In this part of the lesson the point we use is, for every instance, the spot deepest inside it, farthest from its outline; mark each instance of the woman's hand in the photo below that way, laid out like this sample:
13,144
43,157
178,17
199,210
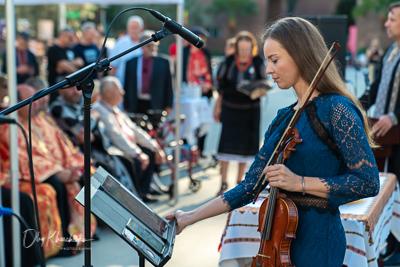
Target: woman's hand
280,176
217,109
217,114
181,219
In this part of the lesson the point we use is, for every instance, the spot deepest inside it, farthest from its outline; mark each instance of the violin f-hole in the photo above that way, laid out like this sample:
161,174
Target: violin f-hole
276,254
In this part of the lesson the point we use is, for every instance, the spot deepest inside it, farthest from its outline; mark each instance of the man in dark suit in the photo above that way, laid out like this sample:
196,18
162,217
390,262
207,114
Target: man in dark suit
385,95
148,81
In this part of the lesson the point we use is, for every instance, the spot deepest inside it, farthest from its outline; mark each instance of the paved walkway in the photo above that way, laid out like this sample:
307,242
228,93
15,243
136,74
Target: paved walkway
196,246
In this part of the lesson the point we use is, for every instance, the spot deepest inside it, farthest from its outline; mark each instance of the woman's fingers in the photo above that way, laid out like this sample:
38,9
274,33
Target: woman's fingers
170,216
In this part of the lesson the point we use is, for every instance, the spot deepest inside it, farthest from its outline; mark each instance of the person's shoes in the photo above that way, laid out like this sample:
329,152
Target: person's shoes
149,199
389,252
390,249
155,193
394,260
69,249
224,186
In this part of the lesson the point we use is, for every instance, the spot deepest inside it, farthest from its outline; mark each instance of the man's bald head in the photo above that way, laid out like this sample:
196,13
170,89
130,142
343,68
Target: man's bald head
25,91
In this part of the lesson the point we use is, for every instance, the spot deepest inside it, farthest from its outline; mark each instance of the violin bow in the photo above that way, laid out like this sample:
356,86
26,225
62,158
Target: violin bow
279,147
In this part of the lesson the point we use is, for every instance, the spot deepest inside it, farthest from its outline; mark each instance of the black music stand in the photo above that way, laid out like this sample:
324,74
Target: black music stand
150,235
83,80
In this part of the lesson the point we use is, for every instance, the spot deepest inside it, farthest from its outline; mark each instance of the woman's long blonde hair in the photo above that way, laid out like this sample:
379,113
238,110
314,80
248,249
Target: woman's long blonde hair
302,40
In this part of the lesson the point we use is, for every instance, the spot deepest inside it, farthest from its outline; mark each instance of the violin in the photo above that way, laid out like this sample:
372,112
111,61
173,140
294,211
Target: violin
278,215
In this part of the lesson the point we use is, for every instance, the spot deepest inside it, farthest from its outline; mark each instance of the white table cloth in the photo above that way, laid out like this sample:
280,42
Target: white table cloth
198,119
367,224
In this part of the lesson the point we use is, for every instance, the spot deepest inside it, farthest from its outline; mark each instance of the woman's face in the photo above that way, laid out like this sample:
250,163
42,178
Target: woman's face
281,65
244,48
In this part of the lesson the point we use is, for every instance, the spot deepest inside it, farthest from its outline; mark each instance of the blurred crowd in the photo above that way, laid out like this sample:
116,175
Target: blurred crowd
138,84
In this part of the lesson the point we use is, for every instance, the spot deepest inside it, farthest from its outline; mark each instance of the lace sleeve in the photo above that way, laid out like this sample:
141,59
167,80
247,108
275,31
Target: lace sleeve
359,176
242,194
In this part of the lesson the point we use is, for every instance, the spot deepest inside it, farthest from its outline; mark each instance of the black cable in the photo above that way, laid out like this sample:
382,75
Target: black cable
33,184
37,246
22,221
28,149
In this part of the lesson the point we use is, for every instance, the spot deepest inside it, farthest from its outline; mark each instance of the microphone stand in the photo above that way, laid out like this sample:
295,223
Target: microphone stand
83,80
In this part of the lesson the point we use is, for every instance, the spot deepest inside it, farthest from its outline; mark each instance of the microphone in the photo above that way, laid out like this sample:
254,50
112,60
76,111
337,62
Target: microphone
6,120
176,28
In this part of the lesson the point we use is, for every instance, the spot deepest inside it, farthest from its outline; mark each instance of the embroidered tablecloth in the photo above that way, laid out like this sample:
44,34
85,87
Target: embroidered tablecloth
367,224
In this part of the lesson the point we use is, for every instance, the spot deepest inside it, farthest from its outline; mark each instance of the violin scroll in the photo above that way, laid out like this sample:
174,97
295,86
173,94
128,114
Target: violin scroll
293,140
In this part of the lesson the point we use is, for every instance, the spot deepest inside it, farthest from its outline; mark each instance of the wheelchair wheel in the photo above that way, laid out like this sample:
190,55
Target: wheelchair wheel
195,185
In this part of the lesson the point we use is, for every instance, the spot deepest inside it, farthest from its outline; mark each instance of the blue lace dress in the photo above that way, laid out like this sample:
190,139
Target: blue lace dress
335,150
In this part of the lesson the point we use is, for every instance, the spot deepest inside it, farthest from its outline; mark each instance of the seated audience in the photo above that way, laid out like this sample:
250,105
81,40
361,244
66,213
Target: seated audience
67,110
127,136
55,162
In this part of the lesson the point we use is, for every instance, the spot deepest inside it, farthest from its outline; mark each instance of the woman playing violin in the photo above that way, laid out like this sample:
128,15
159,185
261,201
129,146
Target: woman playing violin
332,165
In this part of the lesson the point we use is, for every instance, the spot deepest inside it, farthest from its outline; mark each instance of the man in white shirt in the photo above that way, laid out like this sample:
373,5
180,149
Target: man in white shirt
134,29
126,135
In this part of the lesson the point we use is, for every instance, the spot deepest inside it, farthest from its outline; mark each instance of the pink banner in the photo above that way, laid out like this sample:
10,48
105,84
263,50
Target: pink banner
352,41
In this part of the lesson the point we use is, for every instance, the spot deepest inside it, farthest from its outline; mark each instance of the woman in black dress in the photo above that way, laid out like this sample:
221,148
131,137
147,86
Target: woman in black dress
239,112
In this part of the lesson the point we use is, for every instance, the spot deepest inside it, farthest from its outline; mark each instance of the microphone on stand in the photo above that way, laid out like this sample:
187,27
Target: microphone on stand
5,120
176,28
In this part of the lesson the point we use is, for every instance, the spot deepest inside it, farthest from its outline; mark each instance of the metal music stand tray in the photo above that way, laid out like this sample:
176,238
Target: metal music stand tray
150,235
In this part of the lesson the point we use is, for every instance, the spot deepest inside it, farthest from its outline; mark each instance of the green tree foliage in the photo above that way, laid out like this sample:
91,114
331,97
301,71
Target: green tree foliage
77,13
196,14
363,7
233,8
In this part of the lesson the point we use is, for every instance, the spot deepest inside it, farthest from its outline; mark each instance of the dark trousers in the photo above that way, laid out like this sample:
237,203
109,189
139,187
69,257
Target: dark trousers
145,175
200,143
62,202
143,106
28,256
130,165
394,162
394,167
